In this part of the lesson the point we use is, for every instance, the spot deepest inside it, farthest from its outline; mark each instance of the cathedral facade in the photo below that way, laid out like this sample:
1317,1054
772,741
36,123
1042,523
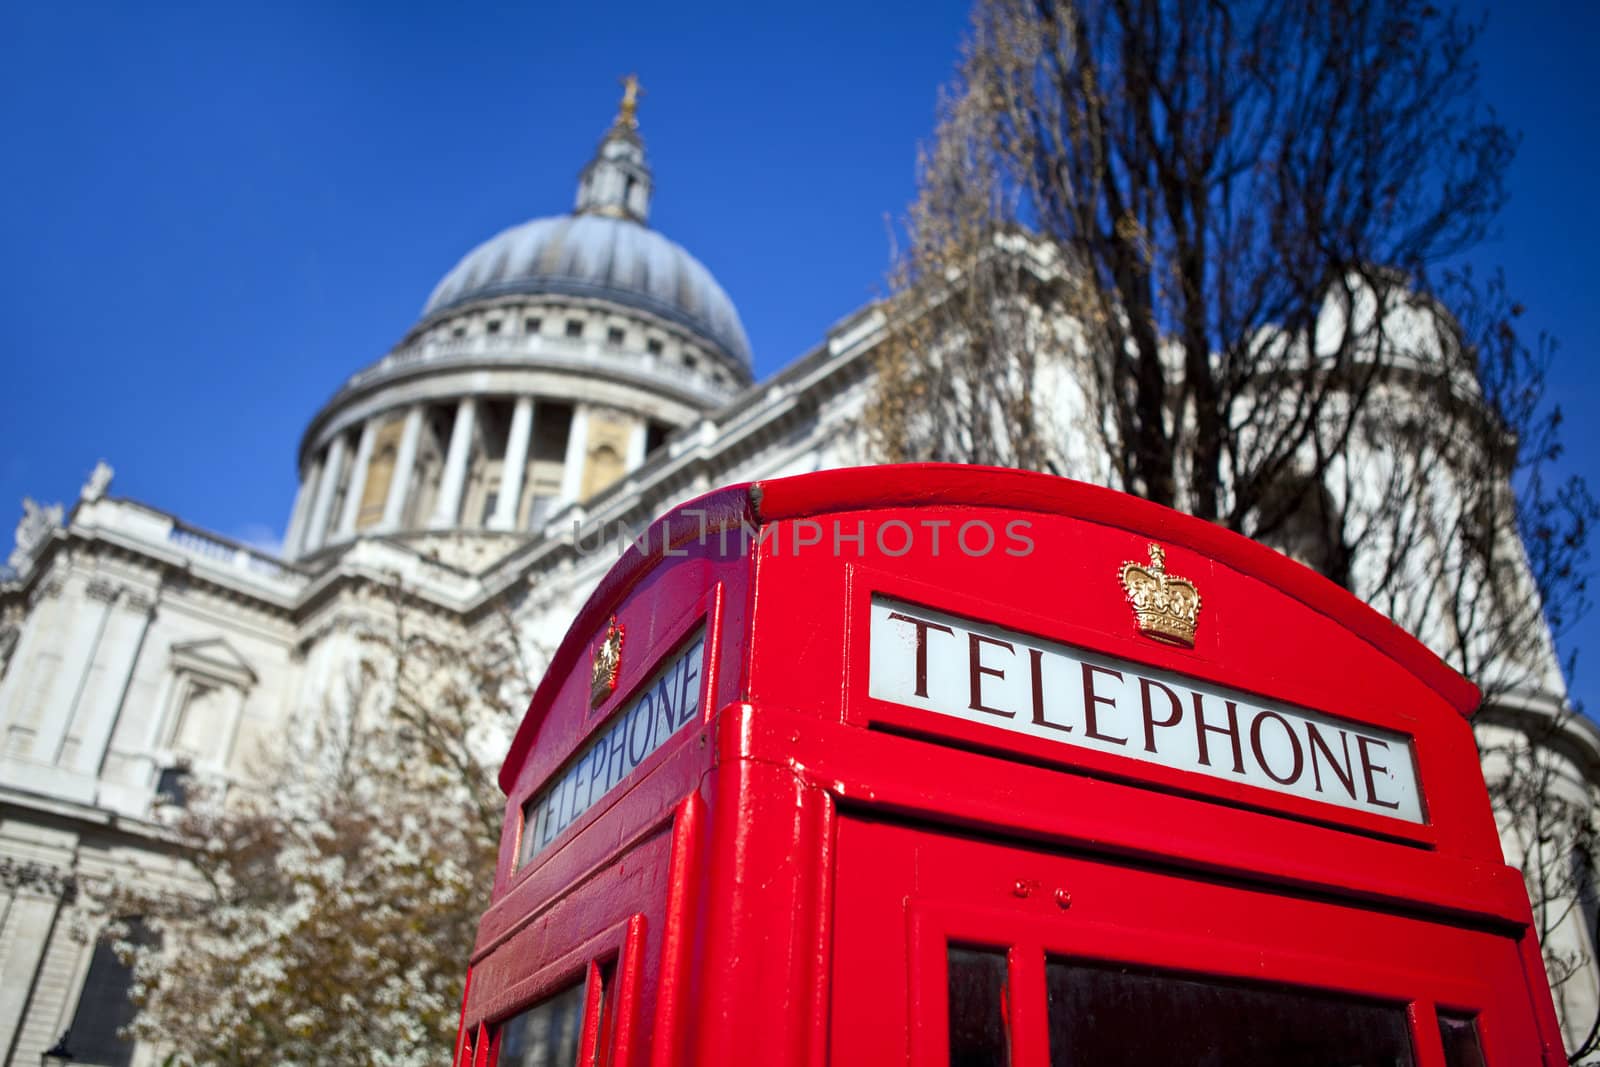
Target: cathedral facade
571,376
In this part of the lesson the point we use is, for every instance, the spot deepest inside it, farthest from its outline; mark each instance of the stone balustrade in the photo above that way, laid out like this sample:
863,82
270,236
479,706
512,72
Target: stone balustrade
580,355
227,553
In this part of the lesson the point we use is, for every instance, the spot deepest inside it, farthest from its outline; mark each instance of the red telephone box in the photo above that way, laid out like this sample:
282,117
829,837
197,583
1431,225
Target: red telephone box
950,765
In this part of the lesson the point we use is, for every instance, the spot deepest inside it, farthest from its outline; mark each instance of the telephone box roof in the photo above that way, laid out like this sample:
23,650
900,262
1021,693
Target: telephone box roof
756,504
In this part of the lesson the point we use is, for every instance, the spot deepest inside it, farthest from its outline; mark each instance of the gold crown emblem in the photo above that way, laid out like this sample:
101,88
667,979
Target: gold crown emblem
1165,606
607,664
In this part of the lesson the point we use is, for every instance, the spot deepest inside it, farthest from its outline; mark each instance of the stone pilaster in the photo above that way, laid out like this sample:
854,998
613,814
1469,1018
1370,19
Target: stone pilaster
95,717
23,658
79,646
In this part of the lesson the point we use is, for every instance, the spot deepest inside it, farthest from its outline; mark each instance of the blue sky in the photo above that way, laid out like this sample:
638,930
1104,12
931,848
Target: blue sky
213,213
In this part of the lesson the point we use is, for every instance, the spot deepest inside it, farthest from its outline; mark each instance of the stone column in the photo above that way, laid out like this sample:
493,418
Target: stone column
297,518
572,467
358,481
405,463
317,533
109,676
455,465
512,473
638,437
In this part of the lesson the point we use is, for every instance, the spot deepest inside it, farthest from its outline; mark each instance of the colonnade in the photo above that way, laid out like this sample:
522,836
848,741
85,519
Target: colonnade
329,505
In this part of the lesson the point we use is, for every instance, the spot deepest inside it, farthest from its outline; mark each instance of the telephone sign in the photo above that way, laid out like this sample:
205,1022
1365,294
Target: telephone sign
925,658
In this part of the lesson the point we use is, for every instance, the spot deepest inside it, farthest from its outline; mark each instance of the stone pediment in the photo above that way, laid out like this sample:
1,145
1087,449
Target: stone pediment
214,657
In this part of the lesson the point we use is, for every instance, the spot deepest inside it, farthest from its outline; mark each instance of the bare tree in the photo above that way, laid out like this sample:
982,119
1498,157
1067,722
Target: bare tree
959,375
1210,253
1543,787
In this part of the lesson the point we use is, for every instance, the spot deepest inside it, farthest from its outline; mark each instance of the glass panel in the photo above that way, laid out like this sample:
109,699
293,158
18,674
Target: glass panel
1459,1036
546,1035
978,1008
173,786
1108,1016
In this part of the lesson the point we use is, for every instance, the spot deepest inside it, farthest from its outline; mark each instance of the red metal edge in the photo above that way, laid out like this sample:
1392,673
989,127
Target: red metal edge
463,1035
950,484
719,509
822,827
593,995
629,980
1163,830
672,1005
493,1008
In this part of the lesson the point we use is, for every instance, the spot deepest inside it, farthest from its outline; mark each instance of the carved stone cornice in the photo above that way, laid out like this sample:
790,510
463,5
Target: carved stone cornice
30,876
45,590
103,590
139,600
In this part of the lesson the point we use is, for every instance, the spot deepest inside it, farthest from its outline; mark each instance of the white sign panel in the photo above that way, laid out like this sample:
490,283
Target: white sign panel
952,666
668,703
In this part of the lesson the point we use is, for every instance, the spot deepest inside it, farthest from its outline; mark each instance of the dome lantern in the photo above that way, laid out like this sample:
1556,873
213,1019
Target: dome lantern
616,183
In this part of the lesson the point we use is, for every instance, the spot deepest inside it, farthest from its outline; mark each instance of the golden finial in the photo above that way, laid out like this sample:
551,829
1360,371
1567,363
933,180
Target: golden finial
628,115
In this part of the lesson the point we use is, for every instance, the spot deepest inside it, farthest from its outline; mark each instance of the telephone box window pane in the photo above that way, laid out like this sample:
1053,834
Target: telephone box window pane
1459,1036
1106,1016
977,1008
546,1035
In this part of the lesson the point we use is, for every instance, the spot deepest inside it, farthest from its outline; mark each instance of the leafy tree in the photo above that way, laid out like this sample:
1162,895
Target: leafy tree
337,903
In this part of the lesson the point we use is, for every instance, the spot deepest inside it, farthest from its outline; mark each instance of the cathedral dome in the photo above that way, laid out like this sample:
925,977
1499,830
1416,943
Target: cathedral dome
603,256
550,362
